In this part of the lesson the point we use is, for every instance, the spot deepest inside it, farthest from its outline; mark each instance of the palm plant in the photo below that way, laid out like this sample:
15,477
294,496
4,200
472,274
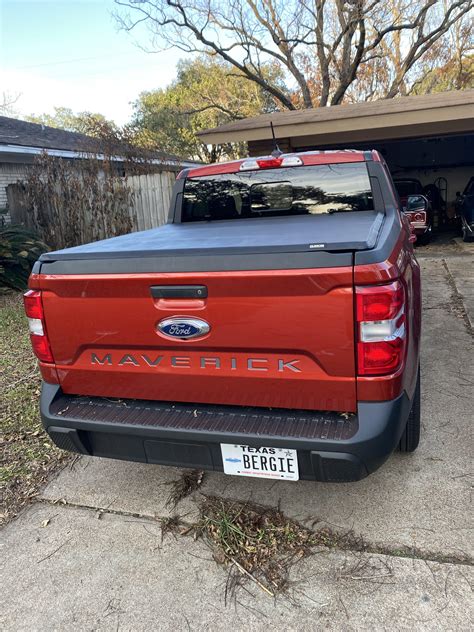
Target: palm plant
19,249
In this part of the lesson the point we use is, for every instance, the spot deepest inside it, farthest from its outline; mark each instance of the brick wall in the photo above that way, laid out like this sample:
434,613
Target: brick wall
9,174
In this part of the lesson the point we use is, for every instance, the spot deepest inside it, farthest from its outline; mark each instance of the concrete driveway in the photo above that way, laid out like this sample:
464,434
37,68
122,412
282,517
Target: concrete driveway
100,562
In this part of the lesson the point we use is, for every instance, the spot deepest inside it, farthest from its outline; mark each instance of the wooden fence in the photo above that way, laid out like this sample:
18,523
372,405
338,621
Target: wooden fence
149,207
151,199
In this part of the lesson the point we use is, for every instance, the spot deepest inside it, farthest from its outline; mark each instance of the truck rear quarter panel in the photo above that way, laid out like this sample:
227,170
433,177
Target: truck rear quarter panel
401,264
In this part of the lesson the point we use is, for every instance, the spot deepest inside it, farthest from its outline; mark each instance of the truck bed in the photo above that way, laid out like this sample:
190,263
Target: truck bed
187,247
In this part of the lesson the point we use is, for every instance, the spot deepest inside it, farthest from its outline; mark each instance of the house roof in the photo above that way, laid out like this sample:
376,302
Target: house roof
402,117
16,132
17,137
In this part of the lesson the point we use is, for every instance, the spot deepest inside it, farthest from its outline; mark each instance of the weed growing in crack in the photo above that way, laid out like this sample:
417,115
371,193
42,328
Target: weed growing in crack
257,544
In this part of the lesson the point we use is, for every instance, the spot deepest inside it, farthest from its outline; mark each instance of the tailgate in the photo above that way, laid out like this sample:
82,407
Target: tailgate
281,338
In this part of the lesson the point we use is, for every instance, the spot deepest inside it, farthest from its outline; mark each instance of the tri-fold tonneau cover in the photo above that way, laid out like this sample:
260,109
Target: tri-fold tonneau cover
244,244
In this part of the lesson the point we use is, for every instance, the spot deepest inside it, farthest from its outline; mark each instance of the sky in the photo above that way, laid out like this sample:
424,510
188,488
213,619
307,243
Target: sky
70,53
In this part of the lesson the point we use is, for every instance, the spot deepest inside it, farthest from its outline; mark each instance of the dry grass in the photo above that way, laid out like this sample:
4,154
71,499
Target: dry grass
188,482
258,544
27,457
365,568
171,524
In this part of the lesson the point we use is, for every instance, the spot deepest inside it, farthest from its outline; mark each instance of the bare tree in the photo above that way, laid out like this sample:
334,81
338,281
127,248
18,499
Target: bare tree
7,101
322,46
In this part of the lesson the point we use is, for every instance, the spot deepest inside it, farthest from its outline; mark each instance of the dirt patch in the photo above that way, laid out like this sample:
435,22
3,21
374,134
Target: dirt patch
27,457
442,244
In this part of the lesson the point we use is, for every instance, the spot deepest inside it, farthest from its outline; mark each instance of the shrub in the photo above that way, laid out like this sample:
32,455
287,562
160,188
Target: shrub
19,249
74,203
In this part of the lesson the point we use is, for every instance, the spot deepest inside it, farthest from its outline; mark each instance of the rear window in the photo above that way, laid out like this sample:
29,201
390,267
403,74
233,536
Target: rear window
312,190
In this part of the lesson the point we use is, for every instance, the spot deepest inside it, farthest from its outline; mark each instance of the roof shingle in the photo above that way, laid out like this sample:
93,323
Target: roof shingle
25,134
16,132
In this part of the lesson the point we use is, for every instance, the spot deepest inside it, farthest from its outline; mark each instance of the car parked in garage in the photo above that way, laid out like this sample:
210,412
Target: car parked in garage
416,206
465,210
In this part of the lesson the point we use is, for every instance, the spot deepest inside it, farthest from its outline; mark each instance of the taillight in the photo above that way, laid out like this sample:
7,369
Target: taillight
418,217
380,311
39,339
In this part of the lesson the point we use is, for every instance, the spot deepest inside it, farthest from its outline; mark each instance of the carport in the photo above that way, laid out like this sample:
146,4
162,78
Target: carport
428,138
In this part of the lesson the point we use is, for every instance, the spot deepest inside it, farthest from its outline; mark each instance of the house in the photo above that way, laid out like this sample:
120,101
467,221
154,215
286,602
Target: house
427,139
21,141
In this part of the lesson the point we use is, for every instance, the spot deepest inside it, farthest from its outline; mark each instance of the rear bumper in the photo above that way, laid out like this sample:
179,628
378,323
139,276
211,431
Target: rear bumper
330,447
421,230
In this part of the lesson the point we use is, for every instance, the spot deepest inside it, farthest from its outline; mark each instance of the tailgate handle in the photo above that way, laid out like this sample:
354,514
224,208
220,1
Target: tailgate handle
178,291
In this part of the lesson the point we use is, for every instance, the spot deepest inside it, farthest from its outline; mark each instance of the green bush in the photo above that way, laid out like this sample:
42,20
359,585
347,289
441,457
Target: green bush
19,249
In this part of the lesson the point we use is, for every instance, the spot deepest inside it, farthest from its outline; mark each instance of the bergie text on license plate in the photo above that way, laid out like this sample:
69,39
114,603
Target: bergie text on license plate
262,462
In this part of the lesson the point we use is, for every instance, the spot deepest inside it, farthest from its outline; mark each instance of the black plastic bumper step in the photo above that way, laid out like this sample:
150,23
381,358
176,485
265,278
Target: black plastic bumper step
263,422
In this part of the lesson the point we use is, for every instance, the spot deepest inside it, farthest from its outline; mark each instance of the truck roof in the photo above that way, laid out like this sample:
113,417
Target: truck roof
306,158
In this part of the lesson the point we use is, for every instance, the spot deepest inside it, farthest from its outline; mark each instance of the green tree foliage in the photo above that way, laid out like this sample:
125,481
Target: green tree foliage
65,118
107,138
206,93
454,75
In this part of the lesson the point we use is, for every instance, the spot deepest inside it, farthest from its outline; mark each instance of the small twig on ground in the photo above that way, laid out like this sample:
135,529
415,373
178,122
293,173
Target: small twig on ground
250,576
55,551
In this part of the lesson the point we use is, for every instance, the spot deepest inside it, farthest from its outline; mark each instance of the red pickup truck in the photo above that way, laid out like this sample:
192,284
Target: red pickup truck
271,328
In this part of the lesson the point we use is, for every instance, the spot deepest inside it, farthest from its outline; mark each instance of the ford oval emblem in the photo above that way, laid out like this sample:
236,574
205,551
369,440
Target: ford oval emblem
183,328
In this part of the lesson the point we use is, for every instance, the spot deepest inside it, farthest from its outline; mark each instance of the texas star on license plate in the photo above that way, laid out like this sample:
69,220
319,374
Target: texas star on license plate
244,460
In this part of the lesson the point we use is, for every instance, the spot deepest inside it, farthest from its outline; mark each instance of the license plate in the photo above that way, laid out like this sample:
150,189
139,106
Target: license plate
275,463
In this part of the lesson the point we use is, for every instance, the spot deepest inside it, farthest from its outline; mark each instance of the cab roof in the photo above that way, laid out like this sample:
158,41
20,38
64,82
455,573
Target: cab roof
306,158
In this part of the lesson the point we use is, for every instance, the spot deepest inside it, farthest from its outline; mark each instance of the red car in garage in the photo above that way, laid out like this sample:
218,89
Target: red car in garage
416,206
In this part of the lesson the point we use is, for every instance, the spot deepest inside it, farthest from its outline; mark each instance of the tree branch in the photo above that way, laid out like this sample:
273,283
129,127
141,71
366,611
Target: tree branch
323,48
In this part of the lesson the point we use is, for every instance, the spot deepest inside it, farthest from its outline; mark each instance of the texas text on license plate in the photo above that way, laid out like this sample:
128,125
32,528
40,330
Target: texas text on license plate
244,460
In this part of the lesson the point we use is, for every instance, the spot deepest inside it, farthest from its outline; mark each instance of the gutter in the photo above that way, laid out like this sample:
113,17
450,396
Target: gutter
78,155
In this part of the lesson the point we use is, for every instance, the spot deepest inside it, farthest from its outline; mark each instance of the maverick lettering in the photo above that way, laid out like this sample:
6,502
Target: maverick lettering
201,362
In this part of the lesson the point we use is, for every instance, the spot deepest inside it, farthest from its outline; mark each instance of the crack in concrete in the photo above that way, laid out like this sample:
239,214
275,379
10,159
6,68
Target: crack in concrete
99,510
401,551
457,299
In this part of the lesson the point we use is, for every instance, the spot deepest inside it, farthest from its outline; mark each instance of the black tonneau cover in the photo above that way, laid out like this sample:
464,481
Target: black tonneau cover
256,243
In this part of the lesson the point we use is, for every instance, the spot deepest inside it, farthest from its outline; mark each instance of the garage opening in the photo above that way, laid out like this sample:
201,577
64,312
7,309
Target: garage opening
439,167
